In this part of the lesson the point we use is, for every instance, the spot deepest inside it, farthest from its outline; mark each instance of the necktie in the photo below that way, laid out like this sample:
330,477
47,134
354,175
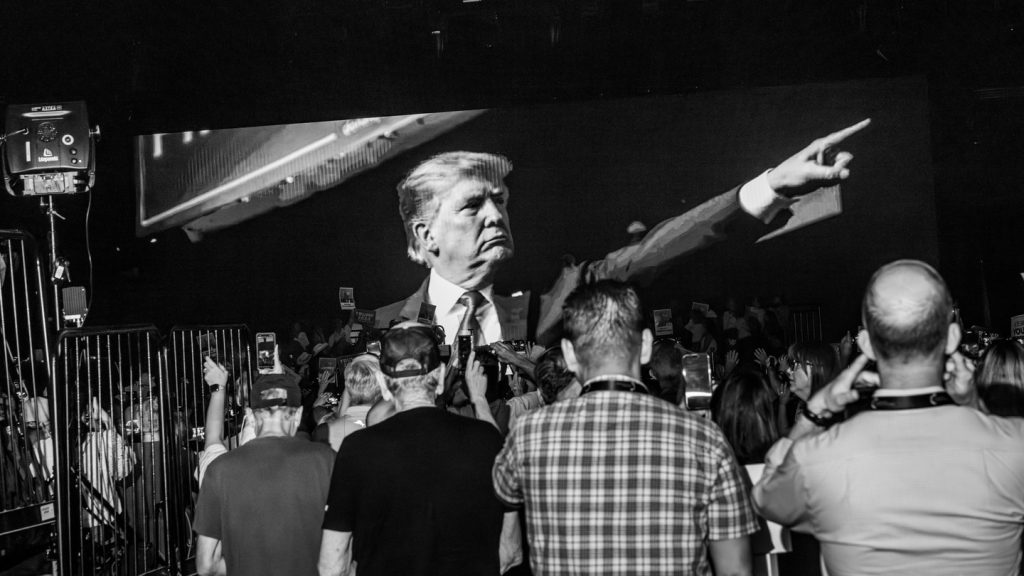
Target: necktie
472,300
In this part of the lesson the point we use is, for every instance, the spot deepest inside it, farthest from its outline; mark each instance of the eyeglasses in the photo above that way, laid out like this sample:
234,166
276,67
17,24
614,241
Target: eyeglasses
792,363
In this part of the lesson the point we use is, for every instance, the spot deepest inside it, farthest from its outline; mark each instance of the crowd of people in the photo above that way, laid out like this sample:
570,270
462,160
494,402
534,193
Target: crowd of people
891,453
440,442
884,454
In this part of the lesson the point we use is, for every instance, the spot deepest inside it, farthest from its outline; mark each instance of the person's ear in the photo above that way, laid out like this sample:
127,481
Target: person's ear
646,346
296,420
424,236
953,336
570,356
864,341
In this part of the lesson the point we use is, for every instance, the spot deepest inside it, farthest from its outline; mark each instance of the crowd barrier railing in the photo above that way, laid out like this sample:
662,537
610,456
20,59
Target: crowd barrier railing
806,322
113,426
27,455
230,345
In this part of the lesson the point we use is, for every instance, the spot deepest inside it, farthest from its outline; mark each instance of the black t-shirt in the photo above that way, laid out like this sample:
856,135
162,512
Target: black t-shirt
264,501
416,492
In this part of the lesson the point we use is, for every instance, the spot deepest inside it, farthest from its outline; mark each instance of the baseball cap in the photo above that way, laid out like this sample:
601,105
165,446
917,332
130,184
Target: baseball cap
409,351
275,390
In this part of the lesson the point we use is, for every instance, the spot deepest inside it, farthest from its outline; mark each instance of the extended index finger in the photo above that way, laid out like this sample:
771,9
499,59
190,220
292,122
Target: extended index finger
837,137
848,376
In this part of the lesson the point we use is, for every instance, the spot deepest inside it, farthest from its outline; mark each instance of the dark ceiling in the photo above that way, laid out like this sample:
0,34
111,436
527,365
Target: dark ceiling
148,67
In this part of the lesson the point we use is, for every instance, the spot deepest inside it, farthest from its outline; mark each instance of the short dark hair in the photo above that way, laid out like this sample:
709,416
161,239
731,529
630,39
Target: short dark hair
744,408
668,352
553,374
907,340
603,318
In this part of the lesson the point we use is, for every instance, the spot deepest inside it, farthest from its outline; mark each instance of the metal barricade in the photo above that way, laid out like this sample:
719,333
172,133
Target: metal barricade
112,445
188,346
806,323
27,452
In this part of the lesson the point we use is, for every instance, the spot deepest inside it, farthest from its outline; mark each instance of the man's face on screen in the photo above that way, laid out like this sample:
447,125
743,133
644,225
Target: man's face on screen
471,230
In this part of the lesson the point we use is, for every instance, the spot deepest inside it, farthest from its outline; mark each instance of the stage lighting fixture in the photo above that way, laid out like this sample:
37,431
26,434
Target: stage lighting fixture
48,149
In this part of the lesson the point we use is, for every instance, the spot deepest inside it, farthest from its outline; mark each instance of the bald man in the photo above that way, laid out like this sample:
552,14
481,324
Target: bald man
917,483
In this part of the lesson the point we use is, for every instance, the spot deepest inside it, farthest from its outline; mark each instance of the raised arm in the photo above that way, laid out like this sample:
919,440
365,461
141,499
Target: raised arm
476,384
216,376
779,496
820,163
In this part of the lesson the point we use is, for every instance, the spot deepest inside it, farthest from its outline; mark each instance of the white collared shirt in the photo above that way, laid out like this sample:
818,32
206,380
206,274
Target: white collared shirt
759,200
449,311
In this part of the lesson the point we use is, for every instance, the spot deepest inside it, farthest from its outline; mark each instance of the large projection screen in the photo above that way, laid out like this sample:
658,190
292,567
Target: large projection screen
209,179
582,172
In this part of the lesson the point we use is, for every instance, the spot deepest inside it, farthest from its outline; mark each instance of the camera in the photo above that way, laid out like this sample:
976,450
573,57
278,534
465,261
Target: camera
519,346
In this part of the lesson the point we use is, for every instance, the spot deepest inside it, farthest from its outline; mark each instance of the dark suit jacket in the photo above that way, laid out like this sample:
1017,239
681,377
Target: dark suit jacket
640,262
409,309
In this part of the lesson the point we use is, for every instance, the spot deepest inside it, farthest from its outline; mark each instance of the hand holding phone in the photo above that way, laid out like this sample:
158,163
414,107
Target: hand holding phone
214,373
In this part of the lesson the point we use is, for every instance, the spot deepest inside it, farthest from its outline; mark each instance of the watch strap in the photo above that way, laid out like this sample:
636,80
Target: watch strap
823,420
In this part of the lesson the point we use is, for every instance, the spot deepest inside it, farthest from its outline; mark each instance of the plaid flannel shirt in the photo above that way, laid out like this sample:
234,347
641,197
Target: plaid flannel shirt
622,483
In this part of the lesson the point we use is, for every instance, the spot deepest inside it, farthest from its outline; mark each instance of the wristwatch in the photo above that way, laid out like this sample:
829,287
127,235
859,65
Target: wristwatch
214,388
823,420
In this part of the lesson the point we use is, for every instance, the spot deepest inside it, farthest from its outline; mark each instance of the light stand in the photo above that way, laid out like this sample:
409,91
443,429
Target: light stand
48,151
58,266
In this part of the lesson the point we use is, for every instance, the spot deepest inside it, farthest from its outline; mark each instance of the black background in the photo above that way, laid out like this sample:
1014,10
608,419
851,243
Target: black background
166,68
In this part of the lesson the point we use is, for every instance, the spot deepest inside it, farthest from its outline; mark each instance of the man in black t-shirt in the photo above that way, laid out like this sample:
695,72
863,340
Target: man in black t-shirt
260,505
413,495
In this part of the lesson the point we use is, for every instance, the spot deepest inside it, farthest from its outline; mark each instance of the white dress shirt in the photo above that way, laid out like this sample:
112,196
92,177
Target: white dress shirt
759,200
449,311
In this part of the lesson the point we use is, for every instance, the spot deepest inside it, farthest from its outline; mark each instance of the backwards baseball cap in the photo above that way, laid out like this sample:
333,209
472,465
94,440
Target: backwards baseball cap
275,390
409,349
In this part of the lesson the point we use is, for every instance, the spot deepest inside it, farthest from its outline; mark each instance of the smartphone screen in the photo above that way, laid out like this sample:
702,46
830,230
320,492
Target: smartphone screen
697,375
265,349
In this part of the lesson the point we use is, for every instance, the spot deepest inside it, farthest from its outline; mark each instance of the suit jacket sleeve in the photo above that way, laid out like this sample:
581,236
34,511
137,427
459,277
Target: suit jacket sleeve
642,262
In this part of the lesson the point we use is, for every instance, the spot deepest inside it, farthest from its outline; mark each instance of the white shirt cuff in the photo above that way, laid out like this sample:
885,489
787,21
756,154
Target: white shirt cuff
759,200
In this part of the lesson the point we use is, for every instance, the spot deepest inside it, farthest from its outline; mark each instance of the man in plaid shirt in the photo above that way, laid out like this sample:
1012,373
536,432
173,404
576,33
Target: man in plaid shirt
618,481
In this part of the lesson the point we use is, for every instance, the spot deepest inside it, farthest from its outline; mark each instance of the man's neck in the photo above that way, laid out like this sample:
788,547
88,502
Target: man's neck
467,278
898,376
612,368
569,392
271,430
411,402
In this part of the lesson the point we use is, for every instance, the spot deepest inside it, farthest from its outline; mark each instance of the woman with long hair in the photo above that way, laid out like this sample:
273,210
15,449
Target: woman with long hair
744,408
809,366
